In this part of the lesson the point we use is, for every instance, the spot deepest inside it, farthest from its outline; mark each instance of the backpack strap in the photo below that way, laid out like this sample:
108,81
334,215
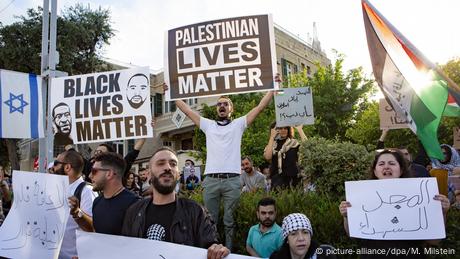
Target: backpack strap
79,190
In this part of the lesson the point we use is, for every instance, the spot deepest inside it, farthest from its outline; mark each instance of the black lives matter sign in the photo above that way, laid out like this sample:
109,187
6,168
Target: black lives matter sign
220,57
101,107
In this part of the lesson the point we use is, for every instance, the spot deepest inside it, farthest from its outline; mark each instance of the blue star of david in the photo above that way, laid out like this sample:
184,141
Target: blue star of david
11,103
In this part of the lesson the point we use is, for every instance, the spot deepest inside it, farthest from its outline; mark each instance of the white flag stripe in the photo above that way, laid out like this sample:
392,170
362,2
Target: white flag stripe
17,104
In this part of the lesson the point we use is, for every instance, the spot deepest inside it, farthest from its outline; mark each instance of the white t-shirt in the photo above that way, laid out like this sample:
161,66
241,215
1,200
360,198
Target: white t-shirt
223,144
69,243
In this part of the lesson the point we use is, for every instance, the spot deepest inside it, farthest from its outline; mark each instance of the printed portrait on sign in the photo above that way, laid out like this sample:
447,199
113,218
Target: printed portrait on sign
137,90
62,124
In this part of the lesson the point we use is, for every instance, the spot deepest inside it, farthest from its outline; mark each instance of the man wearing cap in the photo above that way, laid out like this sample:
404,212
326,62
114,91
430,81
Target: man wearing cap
265,237
297,233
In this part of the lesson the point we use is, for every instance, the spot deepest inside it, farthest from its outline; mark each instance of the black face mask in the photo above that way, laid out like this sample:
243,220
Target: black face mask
223,121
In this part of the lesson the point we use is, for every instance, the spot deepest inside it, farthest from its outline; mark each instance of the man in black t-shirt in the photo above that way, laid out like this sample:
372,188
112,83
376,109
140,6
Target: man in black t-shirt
165,217
109,208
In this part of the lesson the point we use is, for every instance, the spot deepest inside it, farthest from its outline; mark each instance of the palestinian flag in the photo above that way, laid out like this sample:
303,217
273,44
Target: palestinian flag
409,81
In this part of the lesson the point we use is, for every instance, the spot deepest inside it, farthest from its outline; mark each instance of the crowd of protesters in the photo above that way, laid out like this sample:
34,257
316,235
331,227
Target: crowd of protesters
107,196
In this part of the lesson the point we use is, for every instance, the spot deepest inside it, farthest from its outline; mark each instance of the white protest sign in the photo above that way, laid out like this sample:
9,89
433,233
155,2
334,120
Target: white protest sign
294,106
178,118
95,246
395,209
35,225
99,107
389,118
226,56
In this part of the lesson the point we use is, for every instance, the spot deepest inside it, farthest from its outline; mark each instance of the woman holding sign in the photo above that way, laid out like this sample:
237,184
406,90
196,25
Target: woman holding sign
282,150
390,164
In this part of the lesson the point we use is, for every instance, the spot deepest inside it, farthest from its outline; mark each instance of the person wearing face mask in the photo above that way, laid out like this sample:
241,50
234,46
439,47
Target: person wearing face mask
223,157
297,233
390,164
282,151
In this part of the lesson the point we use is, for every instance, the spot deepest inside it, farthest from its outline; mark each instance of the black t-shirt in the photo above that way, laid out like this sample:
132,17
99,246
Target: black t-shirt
108,214
289,160
158,220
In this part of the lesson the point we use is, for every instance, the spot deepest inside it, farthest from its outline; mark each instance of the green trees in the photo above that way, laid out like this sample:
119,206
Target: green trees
338,97
81,35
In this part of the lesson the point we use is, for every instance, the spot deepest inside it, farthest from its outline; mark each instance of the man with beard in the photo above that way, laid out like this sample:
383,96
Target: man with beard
251,179
223,156
166,217
265,237
137,90
62,124
70,163
109,208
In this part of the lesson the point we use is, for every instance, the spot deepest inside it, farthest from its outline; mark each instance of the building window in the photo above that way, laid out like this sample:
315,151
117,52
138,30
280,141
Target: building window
118,146
187,144
308,70
131,144
288,68
170,106
167,143
157,105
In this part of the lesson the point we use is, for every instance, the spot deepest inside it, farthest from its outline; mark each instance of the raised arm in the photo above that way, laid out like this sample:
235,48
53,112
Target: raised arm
193,115
302,135
251,116
268,152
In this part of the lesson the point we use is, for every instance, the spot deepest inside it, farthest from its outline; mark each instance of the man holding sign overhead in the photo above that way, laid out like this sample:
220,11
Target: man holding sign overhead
212,58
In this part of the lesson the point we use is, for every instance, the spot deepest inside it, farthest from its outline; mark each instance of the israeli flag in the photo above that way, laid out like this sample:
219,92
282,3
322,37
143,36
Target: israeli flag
21,113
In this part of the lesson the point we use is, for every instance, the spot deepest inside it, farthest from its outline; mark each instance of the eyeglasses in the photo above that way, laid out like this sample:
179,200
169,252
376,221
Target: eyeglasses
95,170
57,162
220,104
96,152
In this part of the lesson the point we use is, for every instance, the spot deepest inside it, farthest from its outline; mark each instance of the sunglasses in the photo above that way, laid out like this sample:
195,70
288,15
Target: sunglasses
220,104
57,162
95,170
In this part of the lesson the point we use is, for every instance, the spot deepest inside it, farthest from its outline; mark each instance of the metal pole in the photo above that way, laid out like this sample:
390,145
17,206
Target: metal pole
52,67
42,142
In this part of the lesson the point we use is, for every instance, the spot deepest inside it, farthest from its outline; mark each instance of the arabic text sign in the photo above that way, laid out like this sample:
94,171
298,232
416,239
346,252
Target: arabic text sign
94,246
395,209
389,118
294,107
456,133
101,106
225,56
36,222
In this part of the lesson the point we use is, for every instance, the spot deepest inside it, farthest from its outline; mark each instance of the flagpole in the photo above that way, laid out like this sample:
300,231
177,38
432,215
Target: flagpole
48,66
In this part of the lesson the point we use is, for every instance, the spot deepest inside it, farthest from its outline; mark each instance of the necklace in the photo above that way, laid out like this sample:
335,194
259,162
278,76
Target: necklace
118,192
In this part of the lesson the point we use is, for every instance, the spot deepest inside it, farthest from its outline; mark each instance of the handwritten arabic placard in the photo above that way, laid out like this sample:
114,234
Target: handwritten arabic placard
395,209
389,118
35,224
94,246
294,106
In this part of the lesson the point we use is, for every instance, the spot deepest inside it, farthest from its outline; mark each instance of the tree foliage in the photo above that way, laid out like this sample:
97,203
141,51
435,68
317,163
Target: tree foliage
338,97
81,36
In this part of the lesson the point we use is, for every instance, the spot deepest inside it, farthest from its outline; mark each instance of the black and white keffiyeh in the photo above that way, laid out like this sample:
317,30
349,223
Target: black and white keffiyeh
296,221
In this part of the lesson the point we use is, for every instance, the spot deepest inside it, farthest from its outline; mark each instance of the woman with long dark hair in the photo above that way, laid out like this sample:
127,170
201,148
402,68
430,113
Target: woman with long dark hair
282,151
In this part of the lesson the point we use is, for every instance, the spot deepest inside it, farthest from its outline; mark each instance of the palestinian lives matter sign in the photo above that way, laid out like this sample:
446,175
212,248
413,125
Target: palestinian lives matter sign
101,106
294,106
389,118
218,57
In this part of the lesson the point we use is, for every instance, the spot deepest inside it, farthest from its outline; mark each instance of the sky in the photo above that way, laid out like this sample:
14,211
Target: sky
431,25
